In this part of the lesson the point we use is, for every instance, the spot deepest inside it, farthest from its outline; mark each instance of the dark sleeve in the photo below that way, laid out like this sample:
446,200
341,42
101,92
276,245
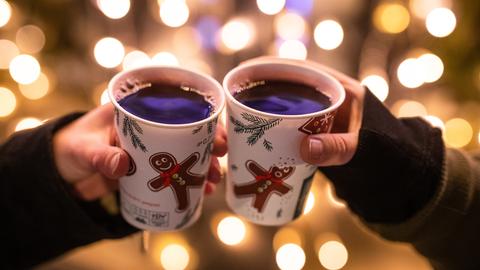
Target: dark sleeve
41,219
396,168
406,186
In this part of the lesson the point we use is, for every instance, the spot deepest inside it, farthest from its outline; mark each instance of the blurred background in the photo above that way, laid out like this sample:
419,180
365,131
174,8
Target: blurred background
420,57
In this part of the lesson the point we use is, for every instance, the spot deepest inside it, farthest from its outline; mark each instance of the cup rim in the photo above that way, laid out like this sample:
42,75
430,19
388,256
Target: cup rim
301,65
204,76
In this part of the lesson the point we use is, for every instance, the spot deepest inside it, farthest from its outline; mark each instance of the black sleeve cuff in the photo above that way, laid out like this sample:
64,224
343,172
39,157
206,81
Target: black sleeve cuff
42,219
396,169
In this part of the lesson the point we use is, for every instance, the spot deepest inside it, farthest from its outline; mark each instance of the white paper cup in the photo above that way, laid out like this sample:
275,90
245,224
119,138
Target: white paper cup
163,189
267,181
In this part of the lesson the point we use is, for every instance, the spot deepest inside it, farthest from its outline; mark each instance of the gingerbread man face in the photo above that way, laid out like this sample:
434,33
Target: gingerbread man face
281,173
163,161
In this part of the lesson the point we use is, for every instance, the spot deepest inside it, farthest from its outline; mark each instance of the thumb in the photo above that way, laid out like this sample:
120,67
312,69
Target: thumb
108,160
329,149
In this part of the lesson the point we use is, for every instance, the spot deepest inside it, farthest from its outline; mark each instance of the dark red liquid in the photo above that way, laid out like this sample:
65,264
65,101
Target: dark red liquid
283,97
167,104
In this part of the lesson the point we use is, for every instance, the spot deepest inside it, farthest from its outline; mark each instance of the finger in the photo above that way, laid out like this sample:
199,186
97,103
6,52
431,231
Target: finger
215,172
329,149
110,161
220,142
95,187
209,188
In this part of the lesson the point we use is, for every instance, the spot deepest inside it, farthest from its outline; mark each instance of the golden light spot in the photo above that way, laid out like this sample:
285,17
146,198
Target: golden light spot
290,257
37,89
174,257
24,69
391,18
333,255
328,34
27,123
231,230
109,52
8,102
441,22
30,38
458,132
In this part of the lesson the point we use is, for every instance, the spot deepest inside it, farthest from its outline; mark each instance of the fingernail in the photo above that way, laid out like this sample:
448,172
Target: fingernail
315,149
114,162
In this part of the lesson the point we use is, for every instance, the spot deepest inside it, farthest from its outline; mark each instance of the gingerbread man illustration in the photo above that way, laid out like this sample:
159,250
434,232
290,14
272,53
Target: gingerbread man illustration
175,175
265,183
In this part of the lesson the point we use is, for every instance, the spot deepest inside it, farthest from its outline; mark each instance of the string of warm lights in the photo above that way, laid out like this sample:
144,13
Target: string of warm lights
296,34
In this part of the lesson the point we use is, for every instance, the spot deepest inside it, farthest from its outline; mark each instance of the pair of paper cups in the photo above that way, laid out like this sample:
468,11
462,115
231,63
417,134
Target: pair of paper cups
267,181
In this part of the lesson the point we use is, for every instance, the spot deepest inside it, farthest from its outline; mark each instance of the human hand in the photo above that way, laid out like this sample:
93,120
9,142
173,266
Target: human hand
86,154
339,146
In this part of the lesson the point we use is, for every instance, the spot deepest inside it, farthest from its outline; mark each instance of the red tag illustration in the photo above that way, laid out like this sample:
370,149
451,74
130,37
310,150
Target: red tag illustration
175,175
265,183
319,124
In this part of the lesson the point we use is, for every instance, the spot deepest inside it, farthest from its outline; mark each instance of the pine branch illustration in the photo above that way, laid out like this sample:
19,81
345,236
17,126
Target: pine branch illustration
210,127
252,118
136,126
125,126
252,139
272,123
129,127
196,130
207,152
268,145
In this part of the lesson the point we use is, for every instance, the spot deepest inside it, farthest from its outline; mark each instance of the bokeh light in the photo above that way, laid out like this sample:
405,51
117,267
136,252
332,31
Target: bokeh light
412,109
5,12
207,27
328,34
293,49
231,230
28,122
165,58
9,51
109,52
8,102
435,121
237,34
24,69
174,13
333,255
377,85
458,132
114,9
30,38
310,203
290,257
37,89
104,97
286,235
290,26
391,18
421,8
431,66
174,257
135,59
270,7
441,22
302,7
410,73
